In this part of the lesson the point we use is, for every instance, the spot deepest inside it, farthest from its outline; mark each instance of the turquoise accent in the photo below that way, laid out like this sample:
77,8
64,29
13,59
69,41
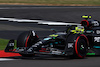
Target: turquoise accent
90,30
96,46
51,44
63,52
59,41
47,38
56,42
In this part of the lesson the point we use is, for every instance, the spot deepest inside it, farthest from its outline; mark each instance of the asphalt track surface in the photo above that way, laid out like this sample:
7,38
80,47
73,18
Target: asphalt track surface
11,30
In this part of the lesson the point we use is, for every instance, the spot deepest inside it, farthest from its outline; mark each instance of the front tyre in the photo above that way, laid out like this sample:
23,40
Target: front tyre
27,39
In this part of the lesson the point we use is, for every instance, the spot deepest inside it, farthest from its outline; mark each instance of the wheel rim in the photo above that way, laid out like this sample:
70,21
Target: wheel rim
81,47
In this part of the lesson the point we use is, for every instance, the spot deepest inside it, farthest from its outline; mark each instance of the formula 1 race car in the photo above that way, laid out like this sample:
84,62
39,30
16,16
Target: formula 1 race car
78,40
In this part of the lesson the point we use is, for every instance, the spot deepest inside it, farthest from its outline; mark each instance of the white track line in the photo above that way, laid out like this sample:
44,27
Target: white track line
38,21
6,59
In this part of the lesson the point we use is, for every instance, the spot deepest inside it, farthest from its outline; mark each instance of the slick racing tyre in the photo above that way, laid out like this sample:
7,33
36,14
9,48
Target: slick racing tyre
80,47
26,39
87,25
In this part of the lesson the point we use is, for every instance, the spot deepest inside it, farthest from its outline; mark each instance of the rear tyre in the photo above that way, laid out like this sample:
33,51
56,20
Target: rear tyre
27,39
80,47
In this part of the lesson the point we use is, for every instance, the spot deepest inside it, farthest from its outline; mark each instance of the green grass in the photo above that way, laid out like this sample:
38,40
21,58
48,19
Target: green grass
3,43
53,2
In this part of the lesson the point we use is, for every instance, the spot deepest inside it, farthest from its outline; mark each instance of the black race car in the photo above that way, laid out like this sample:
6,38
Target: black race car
78,40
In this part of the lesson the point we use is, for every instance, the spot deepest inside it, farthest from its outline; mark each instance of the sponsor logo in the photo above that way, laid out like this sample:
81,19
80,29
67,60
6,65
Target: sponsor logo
70,45
95,23
96,39
11,44
98,31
